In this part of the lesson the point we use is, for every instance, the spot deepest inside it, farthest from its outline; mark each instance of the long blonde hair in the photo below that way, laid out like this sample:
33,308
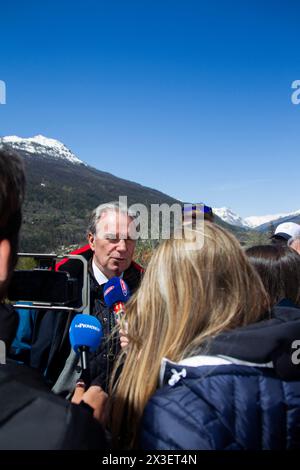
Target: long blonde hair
186,297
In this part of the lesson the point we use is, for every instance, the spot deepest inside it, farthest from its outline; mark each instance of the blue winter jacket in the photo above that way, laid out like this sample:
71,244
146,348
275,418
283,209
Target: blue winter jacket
244,395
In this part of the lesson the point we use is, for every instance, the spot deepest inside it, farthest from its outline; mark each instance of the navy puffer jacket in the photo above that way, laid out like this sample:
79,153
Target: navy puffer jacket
245,395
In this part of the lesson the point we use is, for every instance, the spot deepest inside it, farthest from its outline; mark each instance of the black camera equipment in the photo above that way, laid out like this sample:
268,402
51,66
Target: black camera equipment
45,288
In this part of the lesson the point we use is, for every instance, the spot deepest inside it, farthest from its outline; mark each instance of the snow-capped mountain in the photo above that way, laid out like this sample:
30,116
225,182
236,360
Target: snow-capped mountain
40,151
256,221
40,145
61,191
230,217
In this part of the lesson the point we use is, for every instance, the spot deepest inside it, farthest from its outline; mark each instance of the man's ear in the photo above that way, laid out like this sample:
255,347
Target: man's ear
91,240
5,251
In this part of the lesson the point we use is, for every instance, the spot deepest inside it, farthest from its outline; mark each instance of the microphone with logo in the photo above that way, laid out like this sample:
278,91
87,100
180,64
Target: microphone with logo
85,336
116,294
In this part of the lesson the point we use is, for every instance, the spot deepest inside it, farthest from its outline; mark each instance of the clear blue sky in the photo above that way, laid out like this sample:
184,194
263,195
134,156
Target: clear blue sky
189,97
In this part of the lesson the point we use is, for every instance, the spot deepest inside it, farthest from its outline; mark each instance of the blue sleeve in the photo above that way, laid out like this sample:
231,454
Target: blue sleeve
20,349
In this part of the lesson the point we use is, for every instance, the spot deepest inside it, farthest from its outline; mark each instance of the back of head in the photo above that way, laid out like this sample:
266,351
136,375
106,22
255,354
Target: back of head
200,292
12,186
284,232
277,240
187,296
279,269
191,211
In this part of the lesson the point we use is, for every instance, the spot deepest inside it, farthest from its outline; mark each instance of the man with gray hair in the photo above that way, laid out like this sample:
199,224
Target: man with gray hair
112,241
110,249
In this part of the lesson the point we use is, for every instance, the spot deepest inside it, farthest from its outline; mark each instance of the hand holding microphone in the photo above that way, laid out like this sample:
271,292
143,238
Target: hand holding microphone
85,336
96,398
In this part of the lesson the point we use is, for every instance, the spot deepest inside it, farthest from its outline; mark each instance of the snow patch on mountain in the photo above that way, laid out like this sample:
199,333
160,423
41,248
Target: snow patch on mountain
229,216
233,218
40,144
256,221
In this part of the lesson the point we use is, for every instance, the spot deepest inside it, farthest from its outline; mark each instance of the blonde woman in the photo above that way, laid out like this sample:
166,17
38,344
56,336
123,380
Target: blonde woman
205,365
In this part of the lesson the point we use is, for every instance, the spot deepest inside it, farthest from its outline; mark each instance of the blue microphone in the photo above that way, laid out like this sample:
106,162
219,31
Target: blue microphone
85,335
116,293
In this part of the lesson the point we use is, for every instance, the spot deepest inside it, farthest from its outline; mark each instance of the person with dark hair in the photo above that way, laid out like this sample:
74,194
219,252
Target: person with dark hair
279,270
284,232
31,417
12,183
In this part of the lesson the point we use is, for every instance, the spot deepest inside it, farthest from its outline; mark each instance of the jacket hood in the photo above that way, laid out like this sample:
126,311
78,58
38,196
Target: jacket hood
270,344
275,341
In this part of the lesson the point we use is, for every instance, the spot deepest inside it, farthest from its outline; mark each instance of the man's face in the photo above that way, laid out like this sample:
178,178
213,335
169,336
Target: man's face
112,246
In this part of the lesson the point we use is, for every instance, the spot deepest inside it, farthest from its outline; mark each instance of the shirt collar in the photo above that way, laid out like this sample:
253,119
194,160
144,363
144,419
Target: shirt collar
99,276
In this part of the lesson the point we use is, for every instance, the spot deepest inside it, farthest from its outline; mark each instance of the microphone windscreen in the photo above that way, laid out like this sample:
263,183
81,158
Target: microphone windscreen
85,330
115,290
